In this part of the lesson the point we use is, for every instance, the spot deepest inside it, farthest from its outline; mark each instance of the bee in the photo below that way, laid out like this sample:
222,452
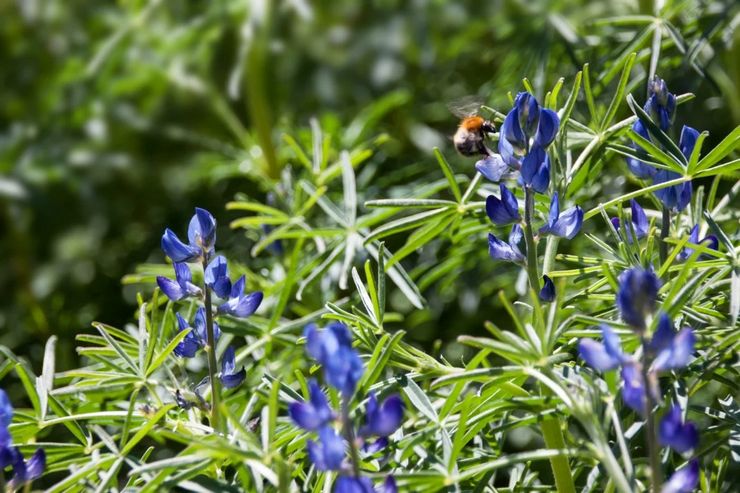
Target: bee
471,134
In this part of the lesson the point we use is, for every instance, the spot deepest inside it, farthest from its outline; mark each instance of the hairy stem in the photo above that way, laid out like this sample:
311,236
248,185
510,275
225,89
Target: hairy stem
656,476
212,364
534,277
349,435
664,231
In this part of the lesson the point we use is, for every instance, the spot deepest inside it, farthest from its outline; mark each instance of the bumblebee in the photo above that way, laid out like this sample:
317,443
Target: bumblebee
469,140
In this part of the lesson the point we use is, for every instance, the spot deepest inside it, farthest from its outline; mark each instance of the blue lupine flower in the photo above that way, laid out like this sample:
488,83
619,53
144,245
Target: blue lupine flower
231,378
565,225
492,167
678,196
675,433
201,239
673,350
684,480
332,347
711,241
328,453
504,210
547,293
638,292
606,356
661,103
499,250
389,485
384,419
535,171
6,410
375,446
240,304
633,388
314,413
216,277
639,222
525,126
351,484
27,471
181,287
196,338
638,168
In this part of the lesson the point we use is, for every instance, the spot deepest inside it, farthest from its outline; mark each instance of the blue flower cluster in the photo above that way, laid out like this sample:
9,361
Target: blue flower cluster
234,300
332,348
665,350
526,133
24,471
661,106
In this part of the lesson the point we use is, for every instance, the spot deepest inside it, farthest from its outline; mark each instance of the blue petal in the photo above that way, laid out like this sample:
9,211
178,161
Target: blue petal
341,333
170,288
202,229
217,277
684,480
675,197
384,419
352,484
528,110
35,465
177,250
554,210
314,341
6,410
328,453
375,446
596,356
547,293
531,164
678,354
508,156
638,292
313,414
638,168
569,223
492,167
639,219
687,140
499,250
228,360
512,132
664,334
20,473
541,179
232,380
389,485
547,128
504,210
674,433
343,370
633,390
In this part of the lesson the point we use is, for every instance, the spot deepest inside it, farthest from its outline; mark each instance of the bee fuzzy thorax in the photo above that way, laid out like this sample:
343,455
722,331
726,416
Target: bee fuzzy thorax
470,137
472,123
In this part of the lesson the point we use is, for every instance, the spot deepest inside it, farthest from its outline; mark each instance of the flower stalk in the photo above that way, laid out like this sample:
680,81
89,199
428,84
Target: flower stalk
212,364
349,435
664,231
534,278
651,437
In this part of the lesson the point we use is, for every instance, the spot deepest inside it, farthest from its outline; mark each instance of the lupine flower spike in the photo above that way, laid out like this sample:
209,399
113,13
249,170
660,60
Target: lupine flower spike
637,295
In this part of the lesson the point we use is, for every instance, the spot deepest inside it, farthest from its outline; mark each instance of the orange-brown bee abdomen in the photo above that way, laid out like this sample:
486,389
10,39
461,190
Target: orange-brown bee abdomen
472,123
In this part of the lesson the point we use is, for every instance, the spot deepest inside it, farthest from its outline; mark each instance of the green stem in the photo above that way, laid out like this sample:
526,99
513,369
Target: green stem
665,228
656,474
534,277
550,427
349,435
212,364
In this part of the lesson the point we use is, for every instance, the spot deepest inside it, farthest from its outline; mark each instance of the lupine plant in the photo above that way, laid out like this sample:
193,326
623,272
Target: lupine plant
557,314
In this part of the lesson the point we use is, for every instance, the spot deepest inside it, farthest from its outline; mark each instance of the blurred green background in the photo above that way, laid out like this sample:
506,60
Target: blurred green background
117,118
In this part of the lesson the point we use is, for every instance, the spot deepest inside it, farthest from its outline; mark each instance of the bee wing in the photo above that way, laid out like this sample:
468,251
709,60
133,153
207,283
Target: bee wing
465,106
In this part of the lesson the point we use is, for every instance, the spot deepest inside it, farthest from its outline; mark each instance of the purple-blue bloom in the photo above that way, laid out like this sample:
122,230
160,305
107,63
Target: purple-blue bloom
197,337
606,356
504,210
638,292
182,286
23,471
384,419
565,225
332,347
492,167
675,433
673,351
201,239
314,413
683,480
547,293
535,171
633,389
499,250
351,484
216,277
328,453
527,124
677,197
710,240
661,103
239,304
639,222
638,168
231,378
6,410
